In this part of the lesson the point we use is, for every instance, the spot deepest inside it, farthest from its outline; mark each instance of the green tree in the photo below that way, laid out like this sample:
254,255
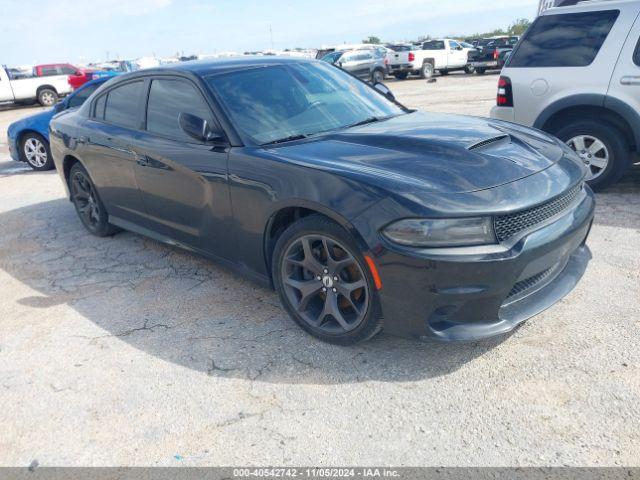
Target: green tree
371,39
519,26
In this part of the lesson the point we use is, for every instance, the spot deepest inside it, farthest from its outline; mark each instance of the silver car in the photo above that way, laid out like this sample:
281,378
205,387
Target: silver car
368,65
576,74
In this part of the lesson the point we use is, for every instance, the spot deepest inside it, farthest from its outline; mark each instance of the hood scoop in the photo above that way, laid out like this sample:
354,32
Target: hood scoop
489,141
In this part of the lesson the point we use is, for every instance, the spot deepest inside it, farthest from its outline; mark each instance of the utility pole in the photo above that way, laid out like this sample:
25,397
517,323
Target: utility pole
271,34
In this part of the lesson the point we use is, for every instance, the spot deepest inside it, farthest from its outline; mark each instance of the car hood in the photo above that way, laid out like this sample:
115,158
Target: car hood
429,152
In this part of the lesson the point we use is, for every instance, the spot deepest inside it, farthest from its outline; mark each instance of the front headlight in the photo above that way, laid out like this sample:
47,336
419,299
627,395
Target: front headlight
441,232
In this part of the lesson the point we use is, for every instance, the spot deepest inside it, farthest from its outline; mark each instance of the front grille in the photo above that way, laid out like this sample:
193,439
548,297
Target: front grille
528,283
506,226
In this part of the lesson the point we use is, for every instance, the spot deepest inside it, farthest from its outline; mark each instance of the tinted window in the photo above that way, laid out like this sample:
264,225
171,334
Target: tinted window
99,108
433,45
48,71
332,57
636,54
169,98
122,105
569,40
453,45
78,99
400,48
67,70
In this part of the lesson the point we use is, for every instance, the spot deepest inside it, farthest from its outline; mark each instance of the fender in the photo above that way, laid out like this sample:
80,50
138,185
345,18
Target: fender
311,205
630,116
581,100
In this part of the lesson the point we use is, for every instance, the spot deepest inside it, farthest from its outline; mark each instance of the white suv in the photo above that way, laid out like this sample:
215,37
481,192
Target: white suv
576,74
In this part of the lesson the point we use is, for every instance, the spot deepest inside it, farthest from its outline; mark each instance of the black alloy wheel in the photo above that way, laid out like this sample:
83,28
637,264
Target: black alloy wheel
87,203
324,284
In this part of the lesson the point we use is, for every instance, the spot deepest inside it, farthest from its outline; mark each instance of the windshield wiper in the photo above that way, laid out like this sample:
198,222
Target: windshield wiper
290,138
366,121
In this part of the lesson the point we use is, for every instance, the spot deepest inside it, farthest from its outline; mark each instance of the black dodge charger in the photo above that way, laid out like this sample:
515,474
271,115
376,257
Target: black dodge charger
362,214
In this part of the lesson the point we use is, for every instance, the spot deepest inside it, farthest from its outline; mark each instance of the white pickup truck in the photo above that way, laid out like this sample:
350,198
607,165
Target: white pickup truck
443,55
46,90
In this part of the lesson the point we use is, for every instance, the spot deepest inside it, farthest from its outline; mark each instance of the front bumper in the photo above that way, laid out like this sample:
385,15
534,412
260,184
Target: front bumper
14,151
485,292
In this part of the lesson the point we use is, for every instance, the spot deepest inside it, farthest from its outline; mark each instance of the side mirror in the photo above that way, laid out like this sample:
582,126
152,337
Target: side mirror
459,47
198,128
383,89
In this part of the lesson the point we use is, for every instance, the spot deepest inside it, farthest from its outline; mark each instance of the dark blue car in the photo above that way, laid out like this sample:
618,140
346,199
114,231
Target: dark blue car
29,136
363,215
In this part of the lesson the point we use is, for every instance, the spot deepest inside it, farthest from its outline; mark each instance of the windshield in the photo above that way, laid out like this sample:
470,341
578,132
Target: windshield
281,102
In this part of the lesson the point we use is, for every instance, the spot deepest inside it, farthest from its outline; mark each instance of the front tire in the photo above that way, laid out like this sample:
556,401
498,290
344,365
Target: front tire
35,152
47,97
469,70
401,75
481,70
602,147
324,282
88,205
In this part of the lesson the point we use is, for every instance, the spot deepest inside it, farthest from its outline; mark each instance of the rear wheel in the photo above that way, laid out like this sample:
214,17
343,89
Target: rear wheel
427,70
324,283
47,97
35,151
401,75
88,205
602,148
469,69
377,76
481,70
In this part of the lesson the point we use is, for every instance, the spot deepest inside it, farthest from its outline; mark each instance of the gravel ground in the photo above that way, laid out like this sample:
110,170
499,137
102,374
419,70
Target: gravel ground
123,351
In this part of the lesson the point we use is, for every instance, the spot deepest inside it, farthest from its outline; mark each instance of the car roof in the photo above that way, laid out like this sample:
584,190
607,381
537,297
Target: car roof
580,5
54,65
203,68
207,67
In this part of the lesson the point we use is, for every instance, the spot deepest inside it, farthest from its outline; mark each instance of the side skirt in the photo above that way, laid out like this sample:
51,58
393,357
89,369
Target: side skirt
235,267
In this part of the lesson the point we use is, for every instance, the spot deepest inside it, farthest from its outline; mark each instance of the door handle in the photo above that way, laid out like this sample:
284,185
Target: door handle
630,80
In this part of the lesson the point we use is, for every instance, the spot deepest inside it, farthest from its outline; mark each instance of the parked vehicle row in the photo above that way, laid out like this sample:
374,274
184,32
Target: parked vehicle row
491,54
45,89
443,55
28,138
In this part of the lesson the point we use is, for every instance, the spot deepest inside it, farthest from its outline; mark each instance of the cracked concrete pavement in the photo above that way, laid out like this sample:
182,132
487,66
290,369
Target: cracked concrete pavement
123,351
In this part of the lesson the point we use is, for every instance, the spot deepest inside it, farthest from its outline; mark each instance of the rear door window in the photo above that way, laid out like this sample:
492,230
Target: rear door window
433,45
565,40
123,105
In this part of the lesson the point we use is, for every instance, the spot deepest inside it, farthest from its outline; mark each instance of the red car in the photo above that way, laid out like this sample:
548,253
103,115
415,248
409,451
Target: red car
80,77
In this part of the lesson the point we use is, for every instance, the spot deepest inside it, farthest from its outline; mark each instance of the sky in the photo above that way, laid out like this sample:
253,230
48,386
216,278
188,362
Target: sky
80,31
